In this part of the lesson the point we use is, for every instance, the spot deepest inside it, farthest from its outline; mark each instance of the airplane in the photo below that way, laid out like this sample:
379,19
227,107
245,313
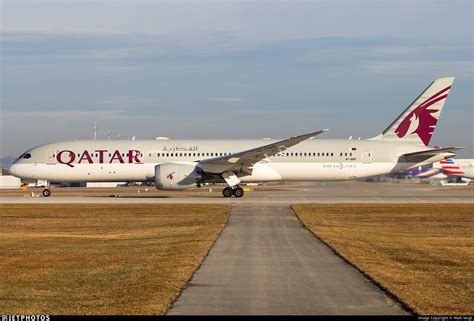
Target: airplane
455,170
183,164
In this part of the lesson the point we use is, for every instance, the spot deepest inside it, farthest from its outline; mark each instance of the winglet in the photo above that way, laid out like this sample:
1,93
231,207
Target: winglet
319,132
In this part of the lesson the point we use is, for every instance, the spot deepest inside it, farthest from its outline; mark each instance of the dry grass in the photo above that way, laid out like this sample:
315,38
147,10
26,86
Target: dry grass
421,253
101,259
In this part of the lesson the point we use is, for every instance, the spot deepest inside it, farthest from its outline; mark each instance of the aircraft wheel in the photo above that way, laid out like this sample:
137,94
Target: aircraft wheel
46,192
238,191
227,192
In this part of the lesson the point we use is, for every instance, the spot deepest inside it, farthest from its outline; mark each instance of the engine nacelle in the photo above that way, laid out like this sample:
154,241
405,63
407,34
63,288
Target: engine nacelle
176,176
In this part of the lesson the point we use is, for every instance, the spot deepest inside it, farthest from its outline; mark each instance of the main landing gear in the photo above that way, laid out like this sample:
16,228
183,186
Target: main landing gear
233,189
46,192
237,191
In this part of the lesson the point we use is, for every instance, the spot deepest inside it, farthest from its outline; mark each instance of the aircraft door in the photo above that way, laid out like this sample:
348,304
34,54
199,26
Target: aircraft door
50,157
367,156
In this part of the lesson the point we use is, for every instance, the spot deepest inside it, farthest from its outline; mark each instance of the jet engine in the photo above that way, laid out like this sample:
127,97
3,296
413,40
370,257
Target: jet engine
177,176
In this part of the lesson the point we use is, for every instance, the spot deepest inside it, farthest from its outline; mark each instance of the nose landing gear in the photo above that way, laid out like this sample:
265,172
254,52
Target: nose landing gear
46,192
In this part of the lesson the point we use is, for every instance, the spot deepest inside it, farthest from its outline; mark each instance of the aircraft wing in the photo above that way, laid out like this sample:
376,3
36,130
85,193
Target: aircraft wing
415,156
243,161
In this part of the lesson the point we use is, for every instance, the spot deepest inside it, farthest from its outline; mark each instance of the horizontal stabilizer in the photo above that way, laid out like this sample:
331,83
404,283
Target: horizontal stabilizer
432,152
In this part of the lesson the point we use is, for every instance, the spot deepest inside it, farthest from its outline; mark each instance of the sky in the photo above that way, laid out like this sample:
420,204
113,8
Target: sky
228,69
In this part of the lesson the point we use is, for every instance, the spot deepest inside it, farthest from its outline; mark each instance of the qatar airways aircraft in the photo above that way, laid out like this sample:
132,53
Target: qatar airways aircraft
183,164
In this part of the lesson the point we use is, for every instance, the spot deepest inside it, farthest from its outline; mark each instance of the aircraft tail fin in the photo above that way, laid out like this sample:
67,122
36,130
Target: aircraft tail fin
416,124
449,167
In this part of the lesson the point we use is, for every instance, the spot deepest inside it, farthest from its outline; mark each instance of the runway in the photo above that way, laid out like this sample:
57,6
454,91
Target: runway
287,194
265,262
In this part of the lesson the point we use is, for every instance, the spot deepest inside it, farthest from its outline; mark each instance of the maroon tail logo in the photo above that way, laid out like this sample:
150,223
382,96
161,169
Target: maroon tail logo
422,120
170,176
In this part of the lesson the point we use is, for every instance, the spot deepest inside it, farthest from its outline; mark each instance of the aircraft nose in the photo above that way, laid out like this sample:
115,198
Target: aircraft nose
13,169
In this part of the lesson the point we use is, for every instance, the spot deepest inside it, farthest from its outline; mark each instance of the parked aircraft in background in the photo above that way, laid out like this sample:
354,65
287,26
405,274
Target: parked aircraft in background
183,164
456,169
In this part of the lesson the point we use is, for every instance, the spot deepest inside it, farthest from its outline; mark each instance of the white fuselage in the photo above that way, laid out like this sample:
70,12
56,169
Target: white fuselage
311,160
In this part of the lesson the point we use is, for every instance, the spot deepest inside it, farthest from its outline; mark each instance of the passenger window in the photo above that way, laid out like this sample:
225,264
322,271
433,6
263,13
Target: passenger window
27,155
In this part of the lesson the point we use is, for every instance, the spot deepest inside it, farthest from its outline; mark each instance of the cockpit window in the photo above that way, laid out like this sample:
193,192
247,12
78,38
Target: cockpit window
27,155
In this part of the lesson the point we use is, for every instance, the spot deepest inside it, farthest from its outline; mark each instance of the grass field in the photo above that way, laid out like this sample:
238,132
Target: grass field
421,253
101,259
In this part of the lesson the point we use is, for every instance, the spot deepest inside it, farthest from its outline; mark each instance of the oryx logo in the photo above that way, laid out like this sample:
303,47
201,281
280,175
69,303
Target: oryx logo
422,120
170,176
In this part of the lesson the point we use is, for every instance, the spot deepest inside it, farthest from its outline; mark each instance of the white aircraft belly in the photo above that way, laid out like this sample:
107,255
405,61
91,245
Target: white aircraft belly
315,171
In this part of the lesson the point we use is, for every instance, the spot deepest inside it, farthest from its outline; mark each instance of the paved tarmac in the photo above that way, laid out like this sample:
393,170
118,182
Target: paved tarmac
265,262
335,192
